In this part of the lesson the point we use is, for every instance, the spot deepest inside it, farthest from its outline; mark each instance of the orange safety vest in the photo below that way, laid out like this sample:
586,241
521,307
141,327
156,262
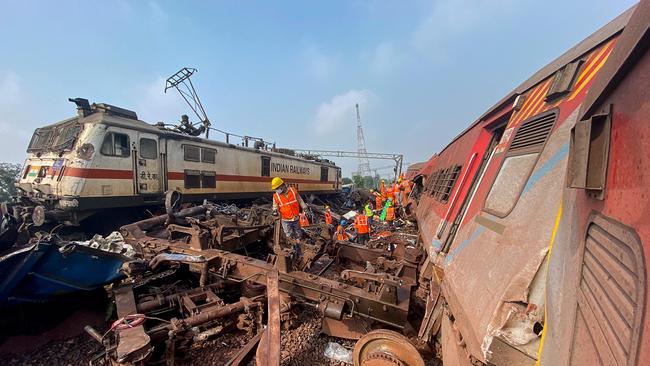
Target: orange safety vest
390,213
328,218
378,202
361,223
382,189
288,204
304,221
340,233
391,193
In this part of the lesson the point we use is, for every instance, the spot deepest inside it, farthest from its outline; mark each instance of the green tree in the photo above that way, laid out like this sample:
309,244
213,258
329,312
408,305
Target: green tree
367,181
347,180
358,181
8,175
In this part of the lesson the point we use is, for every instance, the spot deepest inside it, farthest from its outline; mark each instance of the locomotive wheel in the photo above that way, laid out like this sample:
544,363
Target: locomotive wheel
38,216
385,348
173,200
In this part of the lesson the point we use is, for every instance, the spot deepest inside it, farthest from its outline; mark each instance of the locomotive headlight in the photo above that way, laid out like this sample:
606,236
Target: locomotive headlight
85,151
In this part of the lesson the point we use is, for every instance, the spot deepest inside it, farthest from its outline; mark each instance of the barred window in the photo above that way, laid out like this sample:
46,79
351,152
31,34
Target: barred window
191,153
442,182
208,155
192,179
208,179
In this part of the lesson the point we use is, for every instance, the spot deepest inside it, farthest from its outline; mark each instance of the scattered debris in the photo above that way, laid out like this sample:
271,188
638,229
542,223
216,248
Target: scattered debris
195,285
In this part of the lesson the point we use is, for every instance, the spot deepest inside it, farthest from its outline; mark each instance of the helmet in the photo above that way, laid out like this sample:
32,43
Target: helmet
382,181
326,207
343,222
276,183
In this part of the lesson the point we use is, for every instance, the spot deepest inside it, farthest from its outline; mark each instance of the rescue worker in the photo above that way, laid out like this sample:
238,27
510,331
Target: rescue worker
382,189
379,202
406,190
390,193
328,215
363,230
390,217
397,191
369,212
341,234
288,203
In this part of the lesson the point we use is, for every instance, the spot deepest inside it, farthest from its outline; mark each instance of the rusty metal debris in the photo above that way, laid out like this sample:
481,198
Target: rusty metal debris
205,271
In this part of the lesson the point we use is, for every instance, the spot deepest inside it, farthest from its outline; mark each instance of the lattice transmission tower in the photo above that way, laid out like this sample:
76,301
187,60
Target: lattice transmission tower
364,165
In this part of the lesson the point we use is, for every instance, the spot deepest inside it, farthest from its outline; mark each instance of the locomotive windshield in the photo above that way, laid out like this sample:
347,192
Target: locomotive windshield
57,137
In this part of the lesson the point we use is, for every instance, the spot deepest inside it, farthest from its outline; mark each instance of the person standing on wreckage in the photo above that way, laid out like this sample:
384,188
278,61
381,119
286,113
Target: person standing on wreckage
288,203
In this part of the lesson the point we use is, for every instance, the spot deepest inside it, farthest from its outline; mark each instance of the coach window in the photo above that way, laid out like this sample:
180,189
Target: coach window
148,148
519,162
208,179
208,155
116,144
191,153
192,179
266,166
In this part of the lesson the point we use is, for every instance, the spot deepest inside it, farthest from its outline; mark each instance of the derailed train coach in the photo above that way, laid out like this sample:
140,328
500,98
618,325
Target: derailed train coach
535,217
106,158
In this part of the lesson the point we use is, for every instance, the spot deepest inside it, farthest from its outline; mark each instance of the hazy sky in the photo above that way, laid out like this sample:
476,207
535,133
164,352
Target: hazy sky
288,71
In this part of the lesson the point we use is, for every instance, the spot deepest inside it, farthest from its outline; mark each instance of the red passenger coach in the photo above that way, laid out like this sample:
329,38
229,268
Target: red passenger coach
534,217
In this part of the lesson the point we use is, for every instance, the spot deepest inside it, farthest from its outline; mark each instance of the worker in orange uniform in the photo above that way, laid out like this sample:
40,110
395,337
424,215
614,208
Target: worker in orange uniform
397,191
390,193
341,234
328,215
382,189
288,203
390,216
379,202
406,186
363,229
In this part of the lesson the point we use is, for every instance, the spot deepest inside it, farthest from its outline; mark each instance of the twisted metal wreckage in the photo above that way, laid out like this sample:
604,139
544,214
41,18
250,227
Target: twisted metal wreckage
189,285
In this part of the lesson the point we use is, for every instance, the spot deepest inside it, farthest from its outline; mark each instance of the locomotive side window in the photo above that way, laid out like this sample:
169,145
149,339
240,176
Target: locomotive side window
208,155
148,148
324,172
520,160
192,179
191,153
266,166
116,144
209,179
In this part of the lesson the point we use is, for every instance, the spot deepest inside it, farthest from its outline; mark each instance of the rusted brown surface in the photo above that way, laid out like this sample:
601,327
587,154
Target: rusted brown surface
385,348
272,343
134,345
245,353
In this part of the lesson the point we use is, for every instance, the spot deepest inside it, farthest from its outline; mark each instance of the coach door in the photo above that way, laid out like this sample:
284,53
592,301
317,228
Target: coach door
149,162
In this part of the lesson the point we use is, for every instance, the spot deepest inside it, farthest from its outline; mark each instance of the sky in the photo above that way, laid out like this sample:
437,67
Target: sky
287,71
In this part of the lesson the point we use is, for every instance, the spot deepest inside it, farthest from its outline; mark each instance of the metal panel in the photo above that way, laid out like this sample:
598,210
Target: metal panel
611,296
531,135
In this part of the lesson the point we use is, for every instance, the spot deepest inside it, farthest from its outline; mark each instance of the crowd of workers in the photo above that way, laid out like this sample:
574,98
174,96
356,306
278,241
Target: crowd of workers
387,200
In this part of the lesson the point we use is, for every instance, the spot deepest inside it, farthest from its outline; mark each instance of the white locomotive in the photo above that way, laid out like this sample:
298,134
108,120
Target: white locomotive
106,158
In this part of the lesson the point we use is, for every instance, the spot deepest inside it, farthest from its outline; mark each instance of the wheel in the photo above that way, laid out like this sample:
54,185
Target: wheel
385,348
173,200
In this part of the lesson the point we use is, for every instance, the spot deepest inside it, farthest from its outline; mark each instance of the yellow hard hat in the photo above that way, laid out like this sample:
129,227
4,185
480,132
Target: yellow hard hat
326,207
276,183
